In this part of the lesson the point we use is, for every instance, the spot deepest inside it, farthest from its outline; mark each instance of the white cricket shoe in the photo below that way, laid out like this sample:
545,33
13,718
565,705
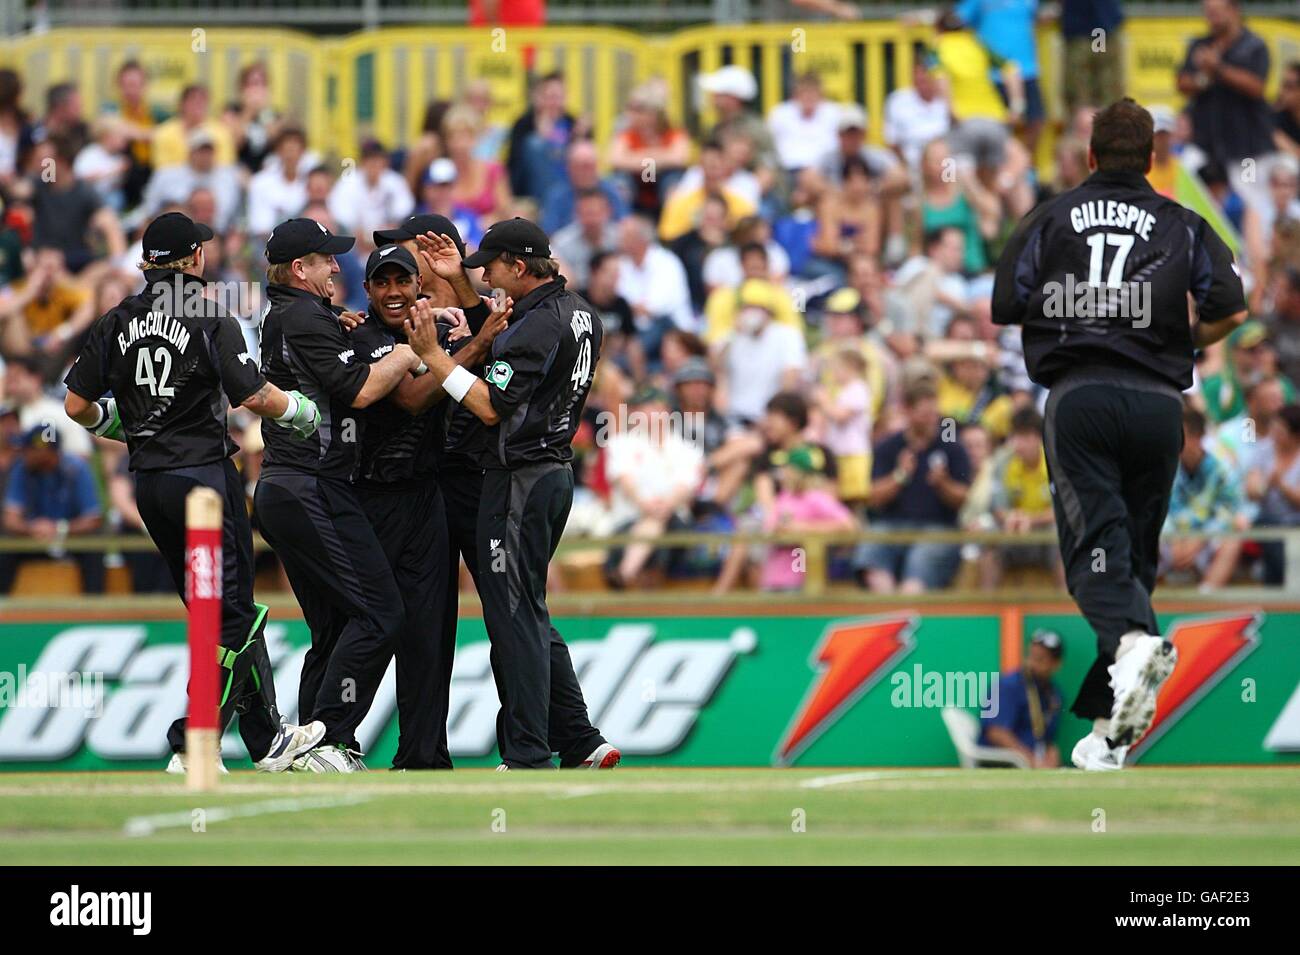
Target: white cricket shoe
503,768
1141,667
1093,753
329,758
604,756
290,743
176,765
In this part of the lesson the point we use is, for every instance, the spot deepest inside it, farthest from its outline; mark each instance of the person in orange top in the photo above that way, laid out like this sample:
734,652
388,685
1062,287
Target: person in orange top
649,149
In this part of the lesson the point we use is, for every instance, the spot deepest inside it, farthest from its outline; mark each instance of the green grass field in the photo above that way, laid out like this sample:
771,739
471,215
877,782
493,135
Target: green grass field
659,816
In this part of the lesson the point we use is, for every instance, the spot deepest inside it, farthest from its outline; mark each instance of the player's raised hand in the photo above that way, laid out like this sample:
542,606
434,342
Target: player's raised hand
440,254
498,320
458,325
422,328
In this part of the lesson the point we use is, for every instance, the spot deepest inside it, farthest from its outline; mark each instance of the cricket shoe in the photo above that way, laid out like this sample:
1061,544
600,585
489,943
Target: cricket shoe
503,768
1141,667
290,743
329,758
1094,753
604,756
176,765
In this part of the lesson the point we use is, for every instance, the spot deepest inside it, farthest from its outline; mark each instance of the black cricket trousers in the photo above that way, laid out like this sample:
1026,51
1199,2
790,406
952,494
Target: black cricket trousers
160,497
346,589
520,518
1112,440
412,529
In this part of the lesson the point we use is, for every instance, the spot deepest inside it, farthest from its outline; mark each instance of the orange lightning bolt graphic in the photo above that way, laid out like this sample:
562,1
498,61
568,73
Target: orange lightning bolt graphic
1208,648
852,657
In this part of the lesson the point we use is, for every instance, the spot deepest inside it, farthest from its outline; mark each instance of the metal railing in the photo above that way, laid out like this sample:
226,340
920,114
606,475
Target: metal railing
817,549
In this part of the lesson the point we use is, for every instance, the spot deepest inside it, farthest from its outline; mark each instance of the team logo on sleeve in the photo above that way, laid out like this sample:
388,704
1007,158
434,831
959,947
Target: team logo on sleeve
500,373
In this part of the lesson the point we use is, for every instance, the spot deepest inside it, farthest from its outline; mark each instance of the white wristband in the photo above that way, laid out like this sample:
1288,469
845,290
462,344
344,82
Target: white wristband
421,369
290,410
458,383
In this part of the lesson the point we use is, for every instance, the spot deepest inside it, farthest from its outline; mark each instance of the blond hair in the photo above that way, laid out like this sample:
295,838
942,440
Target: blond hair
281,273
176,265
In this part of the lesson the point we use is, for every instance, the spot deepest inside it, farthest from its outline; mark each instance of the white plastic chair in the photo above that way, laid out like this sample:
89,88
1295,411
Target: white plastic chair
964,730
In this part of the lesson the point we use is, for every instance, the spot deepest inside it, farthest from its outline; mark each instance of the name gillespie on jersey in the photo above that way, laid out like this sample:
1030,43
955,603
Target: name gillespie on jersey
1117,215
154,325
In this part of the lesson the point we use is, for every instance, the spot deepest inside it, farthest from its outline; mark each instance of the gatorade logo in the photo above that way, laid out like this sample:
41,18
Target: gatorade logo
850,659
1208,650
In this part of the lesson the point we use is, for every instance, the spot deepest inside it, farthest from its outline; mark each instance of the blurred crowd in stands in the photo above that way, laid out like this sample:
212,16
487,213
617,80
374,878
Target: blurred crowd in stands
798,333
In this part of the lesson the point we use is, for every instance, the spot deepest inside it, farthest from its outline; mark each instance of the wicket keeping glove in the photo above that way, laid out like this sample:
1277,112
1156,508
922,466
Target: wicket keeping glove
302,416
110,422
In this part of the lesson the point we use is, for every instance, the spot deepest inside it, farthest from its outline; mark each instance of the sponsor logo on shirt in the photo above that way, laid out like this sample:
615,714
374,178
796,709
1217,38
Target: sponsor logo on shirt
346,356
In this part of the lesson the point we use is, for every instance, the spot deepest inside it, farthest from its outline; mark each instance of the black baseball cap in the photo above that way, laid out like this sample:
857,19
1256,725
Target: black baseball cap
419,225
294,238
391,255
516,236
172,236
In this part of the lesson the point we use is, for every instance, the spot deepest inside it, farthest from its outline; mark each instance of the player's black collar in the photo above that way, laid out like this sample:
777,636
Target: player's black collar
153,276
286,291
1137,180
539,294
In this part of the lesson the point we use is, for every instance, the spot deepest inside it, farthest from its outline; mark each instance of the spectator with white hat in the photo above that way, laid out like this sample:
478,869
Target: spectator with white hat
731,90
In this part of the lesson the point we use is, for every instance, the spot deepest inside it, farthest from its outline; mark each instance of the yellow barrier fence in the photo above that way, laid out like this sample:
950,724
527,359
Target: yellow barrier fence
378,82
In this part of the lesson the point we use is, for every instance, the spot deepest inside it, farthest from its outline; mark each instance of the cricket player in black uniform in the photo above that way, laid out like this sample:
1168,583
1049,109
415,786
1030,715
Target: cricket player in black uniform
440,252
1100,278
171,358
537,379
305,504
397,482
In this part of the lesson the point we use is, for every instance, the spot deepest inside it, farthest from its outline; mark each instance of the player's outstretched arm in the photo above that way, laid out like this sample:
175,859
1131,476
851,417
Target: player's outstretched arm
1205,334
417,395
288,409
386,374
99,417
447,373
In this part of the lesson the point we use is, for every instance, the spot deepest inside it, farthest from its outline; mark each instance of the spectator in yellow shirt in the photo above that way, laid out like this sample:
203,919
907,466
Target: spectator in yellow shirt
170,139
1022,500
723,304
1164,164
43,311
683,206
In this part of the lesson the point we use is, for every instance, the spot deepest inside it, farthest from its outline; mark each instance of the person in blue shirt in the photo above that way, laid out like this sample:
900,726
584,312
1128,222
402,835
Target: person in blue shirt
1029,705
918,482
51,497
1207,497
581,173
1006,30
